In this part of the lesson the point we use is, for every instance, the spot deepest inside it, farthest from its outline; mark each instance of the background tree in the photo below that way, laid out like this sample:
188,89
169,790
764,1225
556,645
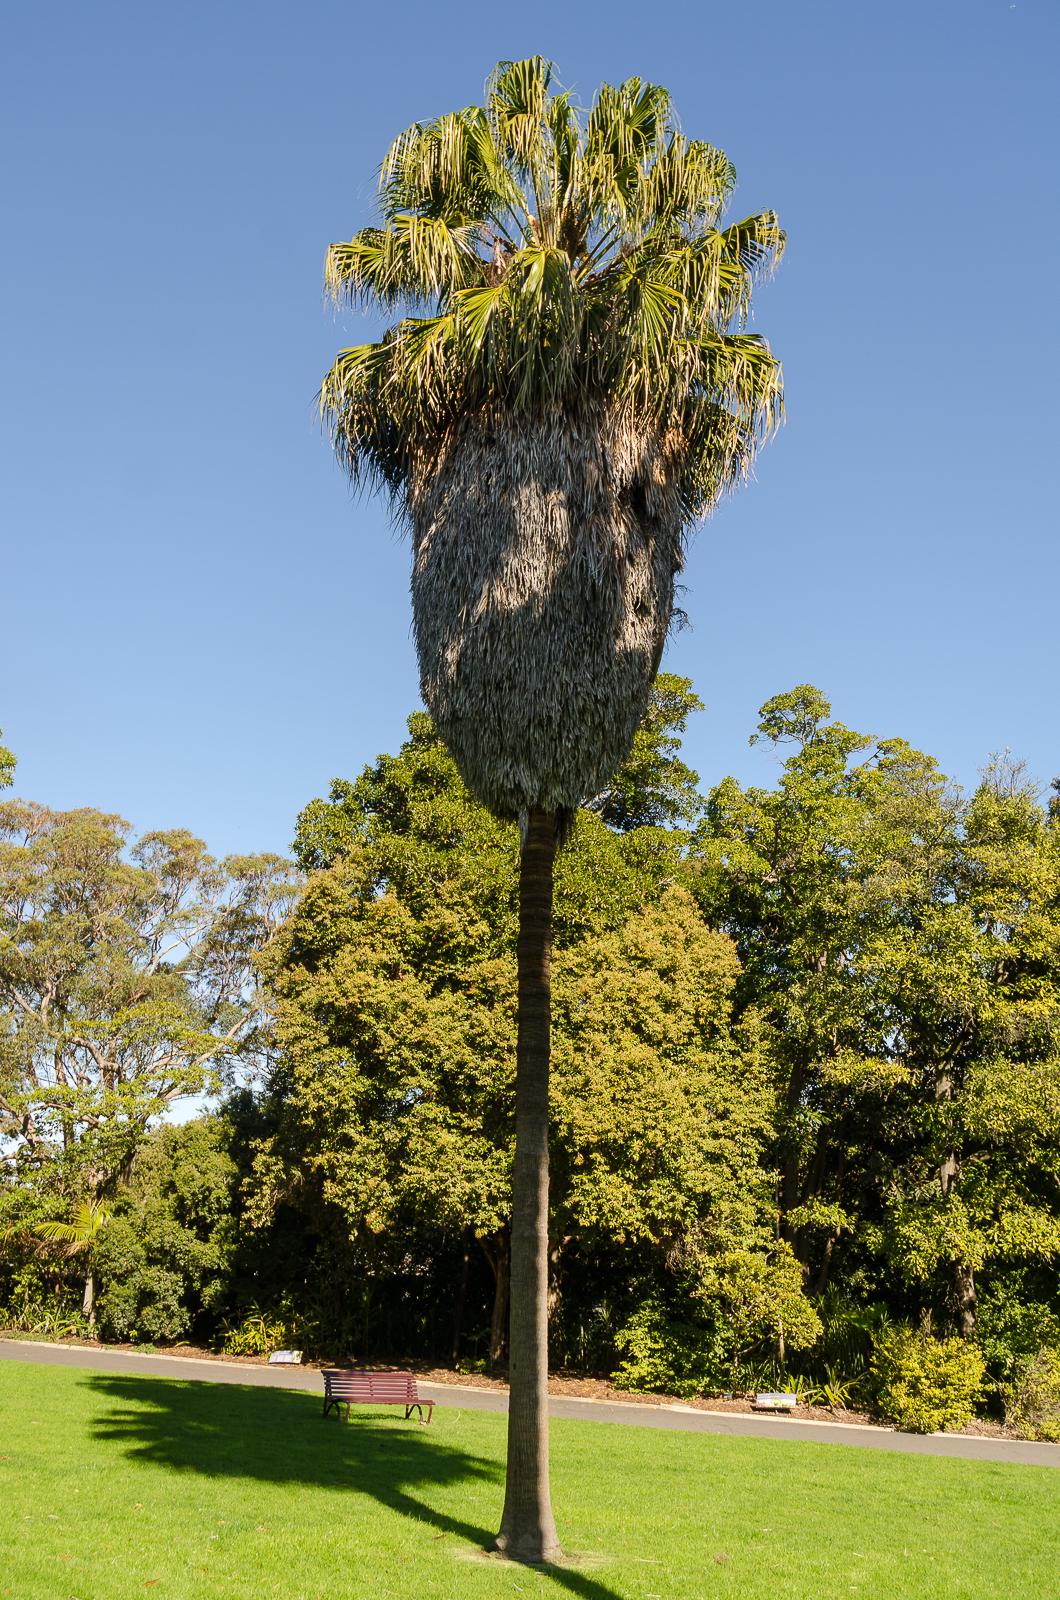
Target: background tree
392,986
7,766
413,878
169,1263
578,393
664,1113
653,786
127,982
902,941
974,1005
806,877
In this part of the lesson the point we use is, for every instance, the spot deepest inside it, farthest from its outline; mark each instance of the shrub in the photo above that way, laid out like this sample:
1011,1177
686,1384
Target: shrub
806,1392
165,1259
661,1355
666,1355
1032,1400
839,1392
1016,1317
260,1332
44,1320
850,1328
923,1384
144,1303
722,1324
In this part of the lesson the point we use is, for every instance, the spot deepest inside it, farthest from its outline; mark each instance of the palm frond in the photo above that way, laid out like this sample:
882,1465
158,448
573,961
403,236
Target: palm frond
516,103
79,1234
415,259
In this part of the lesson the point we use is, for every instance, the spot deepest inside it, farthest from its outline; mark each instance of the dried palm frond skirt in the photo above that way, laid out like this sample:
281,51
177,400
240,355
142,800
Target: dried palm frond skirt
542,589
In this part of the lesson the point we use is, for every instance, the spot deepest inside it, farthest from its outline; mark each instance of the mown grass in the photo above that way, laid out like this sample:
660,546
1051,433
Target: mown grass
113,1487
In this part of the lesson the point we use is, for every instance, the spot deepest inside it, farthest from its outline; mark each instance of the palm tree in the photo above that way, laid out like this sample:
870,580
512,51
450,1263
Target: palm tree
78,1238
566,388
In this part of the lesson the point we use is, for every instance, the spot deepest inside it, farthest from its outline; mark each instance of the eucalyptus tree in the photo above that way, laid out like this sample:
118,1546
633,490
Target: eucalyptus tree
127,982
566,387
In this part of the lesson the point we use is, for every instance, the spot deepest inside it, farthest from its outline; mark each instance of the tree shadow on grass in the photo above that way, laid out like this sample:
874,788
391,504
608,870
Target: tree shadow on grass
277,1436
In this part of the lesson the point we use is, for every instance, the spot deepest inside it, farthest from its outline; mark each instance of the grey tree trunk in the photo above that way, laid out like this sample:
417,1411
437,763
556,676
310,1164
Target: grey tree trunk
528,1531
965,1298
962,1274
499,1258
88,1299
461,1299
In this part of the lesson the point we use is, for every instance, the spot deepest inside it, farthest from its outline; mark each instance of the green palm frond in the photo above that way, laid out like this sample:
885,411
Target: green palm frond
414,259
81,1232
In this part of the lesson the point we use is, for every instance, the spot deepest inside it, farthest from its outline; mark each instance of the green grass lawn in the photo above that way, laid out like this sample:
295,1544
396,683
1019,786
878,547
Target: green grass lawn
113,1487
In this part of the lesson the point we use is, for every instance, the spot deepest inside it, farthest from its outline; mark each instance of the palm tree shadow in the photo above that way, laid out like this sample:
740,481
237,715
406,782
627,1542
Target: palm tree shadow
277,1436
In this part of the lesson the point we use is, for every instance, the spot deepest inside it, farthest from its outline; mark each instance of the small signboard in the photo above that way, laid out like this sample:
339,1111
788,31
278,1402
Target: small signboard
285,1358
775,1402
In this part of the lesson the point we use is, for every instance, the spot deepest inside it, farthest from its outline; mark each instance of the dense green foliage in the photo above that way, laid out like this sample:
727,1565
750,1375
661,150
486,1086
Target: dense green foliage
1032,1400
127,983
393,988
166,1258
925,1384
806,1092
116,1485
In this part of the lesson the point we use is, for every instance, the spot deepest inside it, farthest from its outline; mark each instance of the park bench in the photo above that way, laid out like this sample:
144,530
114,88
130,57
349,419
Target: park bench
346,1388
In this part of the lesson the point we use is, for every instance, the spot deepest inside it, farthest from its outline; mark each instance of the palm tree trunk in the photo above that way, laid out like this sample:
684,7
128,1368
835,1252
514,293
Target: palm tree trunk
528,1532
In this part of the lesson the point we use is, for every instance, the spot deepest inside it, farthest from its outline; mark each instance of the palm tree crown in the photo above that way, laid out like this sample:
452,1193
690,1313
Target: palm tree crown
567,387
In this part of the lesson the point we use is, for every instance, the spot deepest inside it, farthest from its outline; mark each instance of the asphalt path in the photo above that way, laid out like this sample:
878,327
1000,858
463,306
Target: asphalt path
684,1419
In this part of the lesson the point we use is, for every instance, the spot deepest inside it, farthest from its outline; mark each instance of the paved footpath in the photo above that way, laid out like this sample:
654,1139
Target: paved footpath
685,1419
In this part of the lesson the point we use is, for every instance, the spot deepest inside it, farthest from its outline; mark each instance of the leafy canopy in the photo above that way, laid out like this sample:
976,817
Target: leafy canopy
127,981
903,942
544,257
392,989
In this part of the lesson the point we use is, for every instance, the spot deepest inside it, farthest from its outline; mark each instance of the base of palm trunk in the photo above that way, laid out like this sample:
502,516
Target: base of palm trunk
531,1552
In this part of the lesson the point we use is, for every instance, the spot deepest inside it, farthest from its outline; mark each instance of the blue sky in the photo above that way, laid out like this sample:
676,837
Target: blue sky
201,627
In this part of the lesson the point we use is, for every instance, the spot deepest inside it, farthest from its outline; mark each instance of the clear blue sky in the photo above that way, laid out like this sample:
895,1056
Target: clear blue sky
200,627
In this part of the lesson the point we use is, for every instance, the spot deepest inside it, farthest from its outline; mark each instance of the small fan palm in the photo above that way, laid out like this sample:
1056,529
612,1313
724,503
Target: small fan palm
77,1238
567,387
